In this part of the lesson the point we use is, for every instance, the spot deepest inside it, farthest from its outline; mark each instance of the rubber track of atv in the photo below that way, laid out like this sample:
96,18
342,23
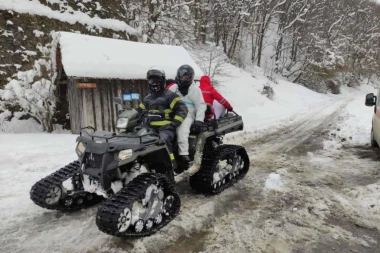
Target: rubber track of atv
203,179
109,212
41,188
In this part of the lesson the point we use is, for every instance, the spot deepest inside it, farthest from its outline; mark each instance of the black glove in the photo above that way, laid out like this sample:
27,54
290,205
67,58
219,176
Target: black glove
196,127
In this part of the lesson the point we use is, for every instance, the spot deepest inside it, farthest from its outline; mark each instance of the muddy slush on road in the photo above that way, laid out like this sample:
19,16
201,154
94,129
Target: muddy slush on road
311,209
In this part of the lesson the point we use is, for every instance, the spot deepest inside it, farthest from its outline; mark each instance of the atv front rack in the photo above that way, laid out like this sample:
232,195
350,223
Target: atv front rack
109,136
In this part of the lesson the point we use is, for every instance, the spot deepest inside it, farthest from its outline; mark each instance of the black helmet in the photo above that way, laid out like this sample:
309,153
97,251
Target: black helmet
185,76
156,79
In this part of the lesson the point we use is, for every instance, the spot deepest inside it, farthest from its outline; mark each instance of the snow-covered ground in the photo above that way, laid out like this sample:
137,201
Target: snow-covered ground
307,152
314,188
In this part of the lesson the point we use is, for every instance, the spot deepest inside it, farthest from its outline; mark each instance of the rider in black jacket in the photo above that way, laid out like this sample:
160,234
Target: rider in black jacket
165,109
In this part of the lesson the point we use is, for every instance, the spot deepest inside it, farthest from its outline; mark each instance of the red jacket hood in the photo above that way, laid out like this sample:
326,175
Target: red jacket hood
205,81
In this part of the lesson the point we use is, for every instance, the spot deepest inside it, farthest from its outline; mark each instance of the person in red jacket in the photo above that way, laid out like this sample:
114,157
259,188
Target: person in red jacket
210,94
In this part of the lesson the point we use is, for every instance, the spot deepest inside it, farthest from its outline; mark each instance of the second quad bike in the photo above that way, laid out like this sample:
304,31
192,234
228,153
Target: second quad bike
132,171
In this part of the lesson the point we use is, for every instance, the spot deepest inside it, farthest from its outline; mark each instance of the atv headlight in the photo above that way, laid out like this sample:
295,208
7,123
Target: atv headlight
122,123
125,154
81,148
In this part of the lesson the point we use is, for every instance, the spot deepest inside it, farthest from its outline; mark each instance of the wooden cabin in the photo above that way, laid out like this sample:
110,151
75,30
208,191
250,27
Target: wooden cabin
92,70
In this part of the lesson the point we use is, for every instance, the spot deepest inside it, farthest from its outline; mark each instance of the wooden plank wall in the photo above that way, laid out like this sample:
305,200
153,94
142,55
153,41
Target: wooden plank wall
74,97
94,107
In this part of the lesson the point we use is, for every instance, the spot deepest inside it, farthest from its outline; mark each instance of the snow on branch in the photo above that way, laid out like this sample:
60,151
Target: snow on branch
299,16
34,7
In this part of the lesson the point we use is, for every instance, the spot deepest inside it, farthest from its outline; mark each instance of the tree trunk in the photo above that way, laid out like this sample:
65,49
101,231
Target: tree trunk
47,126
293,54
224,42
231,51
261,39
216,33
253,54
278,53
254,43
260,47
197,20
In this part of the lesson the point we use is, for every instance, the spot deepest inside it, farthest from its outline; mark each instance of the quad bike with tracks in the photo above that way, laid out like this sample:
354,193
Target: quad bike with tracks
132,171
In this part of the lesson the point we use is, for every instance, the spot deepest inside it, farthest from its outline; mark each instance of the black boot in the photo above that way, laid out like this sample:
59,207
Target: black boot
174,165
184,163
185,159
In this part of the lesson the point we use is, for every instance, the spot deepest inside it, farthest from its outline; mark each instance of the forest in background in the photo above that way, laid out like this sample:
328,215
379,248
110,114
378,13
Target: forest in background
321,44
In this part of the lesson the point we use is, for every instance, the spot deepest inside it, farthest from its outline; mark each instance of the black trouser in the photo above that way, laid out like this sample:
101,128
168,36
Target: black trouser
168,136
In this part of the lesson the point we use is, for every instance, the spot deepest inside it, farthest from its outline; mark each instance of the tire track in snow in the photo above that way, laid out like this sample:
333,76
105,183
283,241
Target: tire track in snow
267,150
304,218
290,136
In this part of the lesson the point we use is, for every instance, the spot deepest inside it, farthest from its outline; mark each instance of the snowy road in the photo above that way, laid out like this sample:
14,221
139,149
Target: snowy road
311,188
327,199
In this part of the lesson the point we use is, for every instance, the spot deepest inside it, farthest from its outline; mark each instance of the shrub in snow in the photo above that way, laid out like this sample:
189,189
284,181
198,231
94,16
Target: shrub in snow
323,70
33,94
268,91
333,86
351,80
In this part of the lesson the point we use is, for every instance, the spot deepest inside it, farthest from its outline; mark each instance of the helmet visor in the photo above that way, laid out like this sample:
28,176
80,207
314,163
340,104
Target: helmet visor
155,81
156,84
185,77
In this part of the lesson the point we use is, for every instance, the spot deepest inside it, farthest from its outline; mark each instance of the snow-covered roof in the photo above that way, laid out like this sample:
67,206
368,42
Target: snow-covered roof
98,57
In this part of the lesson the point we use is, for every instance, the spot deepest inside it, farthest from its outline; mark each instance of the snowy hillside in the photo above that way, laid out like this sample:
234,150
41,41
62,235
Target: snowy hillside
26,26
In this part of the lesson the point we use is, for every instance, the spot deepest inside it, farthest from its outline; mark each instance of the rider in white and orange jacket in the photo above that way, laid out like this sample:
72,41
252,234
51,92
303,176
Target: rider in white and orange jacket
191,95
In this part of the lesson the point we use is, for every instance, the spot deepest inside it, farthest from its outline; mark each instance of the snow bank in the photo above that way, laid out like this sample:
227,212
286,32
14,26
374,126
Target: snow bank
20,126
91,56
34,7
362,203
25,159
243,91
354,124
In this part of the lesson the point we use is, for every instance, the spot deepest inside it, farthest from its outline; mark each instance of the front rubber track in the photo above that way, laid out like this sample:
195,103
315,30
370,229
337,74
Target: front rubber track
39,191
109,212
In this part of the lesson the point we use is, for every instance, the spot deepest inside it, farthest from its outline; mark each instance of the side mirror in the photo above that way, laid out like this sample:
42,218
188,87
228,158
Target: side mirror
370,99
